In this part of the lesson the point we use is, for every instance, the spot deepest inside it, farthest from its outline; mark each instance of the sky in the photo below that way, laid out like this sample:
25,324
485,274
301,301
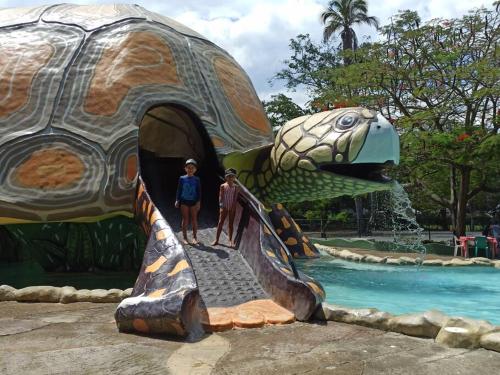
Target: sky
257,32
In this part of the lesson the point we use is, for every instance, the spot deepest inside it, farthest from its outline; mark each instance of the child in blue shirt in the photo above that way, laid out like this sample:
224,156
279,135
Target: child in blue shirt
188,199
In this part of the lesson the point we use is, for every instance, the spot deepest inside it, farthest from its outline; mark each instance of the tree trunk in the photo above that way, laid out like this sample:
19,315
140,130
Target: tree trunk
453,213
443,220
358,203
461,202
322,225
347,41
453,199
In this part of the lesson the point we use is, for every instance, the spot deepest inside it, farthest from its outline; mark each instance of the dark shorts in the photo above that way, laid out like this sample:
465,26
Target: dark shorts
188,203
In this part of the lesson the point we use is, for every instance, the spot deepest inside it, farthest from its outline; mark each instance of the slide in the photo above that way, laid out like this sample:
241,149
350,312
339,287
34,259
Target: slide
185,290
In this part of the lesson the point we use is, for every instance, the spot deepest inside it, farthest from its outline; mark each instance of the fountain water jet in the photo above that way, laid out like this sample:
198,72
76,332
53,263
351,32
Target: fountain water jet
392,209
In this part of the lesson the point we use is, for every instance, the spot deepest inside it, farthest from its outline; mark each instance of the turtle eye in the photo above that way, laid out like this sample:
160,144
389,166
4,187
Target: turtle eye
347,121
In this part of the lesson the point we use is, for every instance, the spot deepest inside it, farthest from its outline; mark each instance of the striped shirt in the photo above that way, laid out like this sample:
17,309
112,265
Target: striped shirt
228,195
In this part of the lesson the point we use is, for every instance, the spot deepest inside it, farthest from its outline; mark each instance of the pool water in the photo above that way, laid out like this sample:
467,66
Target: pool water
472,292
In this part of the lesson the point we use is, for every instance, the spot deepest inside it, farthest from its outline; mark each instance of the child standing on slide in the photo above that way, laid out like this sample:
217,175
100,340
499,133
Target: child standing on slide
188,199
228,196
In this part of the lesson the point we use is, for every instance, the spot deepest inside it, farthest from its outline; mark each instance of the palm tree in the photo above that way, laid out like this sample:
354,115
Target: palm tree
342,15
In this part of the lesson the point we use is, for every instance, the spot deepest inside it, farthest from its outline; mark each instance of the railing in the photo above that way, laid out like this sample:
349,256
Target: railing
257,207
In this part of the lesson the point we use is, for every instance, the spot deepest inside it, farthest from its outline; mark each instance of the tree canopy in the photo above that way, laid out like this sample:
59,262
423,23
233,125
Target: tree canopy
438,83
280,108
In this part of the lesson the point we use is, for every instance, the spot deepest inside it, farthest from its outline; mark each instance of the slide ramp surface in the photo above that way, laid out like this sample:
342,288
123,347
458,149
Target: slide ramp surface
183,289
223,275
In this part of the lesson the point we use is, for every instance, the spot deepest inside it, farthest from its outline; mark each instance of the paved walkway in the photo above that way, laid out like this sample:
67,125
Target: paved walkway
81,338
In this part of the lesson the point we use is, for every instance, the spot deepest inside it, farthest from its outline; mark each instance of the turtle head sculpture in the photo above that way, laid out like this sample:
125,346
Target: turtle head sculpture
325,155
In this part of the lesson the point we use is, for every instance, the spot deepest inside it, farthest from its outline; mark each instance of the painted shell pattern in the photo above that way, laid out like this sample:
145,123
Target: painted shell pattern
75,85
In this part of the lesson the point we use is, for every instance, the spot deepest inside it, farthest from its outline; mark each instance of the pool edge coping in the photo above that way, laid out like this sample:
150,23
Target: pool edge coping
65,294
352,256
453,332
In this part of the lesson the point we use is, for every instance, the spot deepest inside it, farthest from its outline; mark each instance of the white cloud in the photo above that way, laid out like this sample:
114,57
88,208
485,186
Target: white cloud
257,32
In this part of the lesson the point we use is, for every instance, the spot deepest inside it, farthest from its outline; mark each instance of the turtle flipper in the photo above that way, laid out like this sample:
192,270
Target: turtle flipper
290,233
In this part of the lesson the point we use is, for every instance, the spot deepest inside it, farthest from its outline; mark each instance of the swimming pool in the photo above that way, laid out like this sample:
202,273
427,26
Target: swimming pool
472,292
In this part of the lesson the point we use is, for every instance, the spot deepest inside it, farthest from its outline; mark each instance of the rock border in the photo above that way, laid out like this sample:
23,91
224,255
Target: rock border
65,294
407,261
453,332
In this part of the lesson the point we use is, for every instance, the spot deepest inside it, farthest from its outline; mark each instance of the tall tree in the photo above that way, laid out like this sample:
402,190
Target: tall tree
439,83
342,15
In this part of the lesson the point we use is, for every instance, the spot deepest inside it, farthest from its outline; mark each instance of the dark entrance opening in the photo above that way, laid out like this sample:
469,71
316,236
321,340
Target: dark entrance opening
168,136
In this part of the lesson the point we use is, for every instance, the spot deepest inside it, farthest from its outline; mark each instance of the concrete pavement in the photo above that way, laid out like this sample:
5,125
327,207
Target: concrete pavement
81,338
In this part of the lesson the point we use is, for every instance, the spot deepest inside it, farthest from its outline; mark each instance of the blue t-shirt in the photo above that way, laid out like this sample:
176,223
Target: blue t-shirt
188,189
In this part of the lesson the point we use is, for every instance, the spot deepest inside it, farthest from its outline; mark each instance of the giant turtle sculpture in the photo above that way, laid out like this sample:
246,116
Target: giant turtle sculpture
99,106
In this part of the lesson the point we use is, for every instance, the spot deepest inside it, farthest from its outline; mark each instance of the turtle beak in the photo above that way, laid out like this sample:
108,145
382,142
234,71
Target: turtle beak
381,144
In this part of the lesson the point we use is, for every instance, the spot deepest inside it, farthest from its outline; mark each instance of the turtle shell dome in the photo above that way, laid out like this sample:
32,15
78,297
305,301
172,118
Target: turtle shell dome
77,86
